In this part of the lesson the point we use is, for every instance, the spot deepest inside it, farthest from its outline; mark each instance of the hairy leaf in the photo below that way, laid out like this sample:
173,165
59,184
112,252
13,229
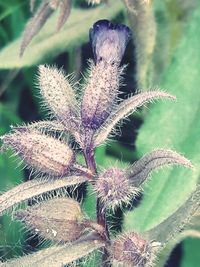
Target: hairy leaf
124,109
142,168
43,126
56,256
35,24
49,43
31,189
65,7
173,224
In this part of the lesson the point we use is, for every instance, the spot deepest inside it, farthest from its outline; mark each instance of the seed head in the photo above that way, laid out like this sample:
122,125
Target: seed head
42,152
109,41
56,219
113,188
132,250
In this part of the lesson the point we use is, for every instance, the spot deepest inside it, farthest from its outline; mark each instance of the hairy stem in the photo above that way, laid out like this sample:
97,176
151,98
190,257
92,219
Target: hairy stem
100,212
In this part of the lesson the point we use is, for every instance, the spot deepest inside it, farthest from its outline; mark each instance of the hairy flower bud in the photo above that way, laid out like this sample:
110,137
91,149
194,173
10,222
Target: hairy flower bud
42,152
56,219
113,188
109,41
100,94
131,250
58,94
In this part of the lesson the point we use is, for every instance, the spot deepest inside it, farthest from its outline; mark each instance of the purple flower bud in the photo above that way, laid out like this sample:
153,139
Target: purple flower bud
59,220
41,152
113,188
109,41
130,249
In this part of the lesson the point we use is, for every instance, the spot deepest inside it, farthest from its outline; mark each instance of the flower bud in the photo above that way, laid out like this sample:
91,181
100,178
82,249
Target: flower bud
42,152
113,188
109,41
58,94
56,219
100,94
131,250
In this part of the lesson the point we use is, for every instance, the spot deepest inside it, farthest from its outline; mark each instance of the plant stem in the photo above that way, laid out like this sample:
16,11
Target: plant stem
100,212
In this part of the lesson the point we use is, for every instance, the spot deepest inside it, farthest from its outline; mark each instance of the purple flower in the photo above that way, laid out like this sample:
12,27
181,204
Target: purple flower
109,41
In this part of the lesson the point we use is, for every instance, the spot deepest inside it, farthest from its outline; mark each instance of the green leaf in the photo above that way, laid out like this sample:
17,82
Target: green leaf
11,239
49,43
191,256
175,126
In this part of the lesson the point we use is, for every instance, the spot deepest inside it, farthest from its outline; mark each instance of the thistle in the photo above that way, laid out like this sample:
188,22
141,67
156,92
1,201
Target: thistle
45,147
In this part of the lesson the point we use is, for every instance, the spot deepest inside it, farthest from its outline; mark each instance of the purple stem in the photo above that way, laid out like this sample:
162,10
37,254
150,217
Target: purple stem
100,213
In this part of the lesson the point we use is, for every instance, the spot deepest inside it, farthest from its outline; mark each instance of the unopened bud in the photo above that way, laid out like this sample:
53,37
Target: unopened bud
113,188
56,219
131,250
58,94
42,152
109,41
100,94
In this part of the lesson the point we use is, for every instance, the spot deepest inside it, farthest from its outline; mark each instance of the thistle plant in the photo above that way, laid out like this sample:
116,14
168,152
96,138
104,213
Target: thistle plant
46,148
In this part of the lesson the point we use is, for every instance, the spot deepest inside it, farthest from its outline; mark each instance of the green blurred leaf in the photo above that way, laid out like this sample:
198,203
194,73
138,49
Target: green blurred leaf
7,117
191,256
48,43
11,238
17,20
176,126
10,7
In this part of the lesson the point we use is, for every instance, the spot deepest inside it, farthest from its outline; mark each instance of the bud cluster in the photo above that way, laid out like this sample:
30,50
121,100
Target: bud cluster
89,121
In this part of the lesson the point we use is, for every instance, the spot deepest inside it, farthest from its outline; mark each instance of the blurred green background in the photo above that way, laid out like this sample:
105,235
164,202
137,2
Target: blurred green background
164,53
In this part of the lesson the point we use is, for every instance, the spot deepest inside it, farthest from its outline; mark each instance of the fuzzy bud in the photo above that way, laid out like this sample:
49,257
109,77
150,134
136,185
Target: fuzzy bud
108,42
42,152
132,250
113,188
58,94
56,219
100,94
